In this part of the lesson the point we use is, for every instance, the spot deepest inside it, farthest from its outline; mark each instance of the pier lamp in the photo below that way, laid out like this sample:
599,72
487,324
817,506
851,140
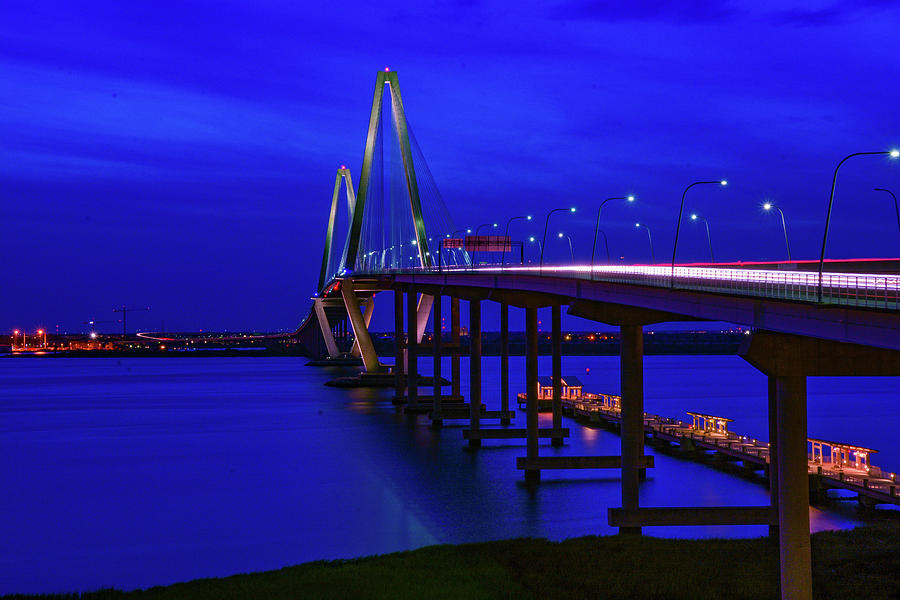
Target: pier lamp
769,206
506,236
547,224
896,208
721,182
649,238
561,235
629,198
696,217
892,154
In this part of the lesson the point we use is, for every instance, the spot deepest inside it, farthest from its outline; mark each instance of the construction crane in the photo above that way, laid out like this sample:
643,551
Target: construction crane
125,310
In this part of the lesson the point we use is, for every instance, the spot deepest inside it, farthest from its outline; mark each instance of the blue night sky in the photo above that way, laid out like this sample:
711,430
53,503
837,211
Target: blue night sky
182,155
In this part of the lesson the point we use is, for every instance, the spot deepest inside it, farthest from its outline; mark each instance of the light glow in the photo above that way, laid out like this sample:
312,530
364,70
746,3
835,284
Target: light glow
767,206
724,182
693,217
895,153
630,198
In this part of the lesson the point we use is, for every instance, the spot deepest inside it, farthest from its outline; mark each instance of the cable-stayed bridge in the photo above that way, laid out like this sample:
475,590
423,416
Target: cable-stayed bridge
394,233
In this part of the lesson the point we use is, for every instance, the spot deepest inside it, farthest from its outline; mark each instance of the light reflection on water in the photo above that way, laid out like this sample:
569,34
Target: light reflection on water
139,472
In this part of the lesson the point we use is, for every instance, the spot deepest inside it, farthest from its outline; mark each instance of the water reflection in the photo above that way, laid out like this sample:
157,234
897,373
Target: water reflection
147,471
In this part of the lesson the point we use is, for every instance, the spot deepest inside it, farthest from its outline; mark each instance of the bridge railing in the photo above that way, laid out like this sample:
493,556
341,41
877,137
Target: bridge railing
847,289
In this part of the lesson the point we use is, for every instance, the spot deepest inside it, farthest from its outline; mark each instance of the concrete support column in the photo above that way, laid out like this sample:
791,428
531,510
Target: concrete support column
399,383
773,451
504,363
632,382
557,372
367,348
454,339
367,318
793,488
325,328
412,348
474,369
436,350
531,382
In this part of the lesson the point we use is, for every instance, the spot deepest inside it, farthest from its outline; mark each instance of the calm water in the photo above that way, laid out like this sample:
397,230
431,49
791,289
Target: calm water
140,472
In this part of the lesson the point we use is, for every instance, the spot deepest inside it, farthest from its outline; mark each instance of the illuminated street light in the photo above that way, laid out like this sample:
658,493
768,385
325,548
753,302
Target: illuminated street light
506,237
896,208
721,182
650,238
533,239
892,154
546,224
561,235
695,217
628,198
770,206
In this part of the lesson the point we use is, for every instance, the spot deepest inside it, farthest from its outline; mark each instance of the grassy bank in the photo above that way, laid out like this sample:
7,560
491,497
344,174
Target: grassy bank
862,563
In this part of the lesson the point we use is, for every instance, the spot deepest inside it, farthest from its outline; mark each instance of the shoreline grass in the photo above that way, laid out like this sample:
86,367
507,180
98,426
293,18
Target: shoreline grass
858,563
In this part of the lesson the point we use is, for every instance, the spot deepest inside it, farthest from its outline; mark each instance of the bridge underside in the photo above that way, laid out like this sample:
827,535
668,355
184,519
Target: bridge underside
842,324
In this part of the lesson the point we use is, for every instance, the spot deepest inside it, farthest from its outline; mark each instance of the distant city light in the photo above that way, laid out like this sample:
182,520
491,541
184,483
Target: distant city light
93,335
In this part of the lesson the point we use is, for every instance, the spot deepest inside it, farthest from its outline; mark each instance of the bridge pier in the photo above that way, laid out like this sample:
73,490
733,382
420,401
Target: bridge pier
631,366
788,360
454,340
436,419
772,389
556,403
325,328
412,348
367,318
360,331
532,476
504,364
474,370
399,379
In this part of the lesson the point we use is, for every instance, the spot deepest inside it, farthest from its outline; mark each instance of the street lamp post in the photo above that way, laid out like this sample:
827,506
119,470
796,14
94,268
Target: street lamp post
506,236
546,224
650,238
896,208
696,217
597,229
606,244
892,154
770,206
533,239
678,224
561,235
453,235
477,230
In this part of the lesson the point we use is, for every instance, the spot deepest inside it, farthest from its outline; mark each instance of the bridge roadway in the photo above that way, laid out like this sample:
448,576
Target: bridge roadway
844,324
857,308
